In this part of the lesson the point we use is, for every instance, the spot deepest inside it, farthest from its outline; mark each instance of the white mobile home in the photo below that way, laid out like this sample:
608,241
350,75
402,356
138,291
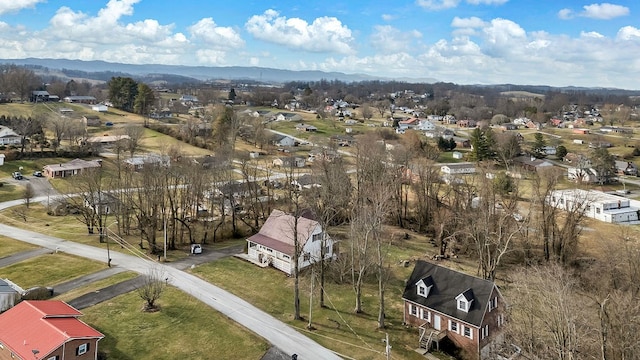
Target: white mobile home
596,204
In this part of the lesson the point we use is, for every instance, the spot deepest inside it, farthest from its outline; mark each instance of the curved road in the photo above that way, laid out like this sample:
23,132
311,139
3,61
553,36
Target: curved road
273,330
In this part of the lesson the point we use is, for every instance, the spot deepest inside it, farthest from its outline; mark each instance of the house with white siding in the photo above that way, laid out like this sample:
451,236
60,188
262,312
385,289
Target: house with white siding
274,245
597,205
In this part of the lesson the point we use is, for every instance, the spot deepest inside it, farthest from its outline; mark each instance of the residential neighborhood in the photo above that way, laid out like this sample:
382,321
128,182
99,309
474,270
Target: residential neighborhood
316,219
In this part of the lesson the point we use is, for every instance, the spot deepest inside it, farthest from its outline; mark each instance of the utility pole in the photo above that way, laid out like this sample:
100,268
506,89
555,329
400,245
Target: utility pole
165,239
310,327
387,347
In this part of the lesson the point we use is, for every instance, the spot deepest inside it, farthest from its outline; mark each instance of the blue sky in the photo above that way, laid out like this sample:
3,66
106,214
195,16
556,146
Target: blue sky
558,43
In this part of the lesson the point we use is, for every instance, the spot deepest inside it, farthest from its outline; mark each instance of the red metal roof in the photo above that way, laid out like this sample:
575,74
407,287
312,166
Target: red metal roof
42,325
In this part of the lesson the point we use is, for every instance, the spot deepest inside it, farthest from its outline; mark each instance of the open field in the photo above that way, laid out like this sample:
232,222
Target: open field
46,270
10,246
337,327
184,328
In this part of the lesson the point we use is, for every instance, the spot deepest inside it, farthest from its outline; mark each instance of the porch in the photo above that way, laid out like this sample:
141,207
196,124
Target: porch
428,337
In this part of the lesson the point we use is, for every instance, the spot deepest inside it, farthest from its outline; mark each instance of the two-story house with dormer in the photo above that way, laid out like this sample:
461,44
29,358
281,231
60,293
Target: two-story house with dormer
443,303
274,244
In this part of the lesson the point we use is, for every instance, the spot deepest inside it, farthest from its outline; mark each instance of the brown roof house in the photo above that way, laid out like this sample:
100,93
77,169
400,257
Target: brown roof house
274,243
443,303
46,329
73,167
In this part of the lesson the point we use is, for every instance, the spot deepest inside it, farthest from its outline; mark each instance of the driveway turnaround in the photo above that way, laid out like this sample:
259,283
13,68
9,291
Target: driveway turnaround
85,280
24,255
271,329
107,293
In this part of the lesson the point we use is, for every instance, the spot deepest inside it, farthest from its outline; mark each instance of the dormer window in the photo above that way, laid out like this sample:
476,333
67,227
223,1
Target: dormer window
424,286
464,300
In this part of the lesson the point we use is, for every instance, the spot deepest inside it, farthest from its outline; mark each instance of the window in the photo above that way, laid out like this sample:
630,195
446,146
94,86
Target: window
597,210
453,326
485,332
500,319
306,256
316,237
327,250
462,305
468,332
422,290
426,315
413,310
82,349
493,303
286,257
54,358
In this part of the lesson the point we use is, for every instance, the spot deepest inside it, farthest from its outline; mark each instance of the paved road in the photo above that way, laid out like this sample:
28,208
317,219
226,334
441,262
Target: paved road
24,255
273,330
107,293
84,280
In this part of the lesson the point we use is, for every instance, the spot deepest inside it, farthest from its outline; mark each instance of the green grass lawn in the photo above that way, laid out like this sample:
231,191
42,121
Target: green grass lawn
10,192
337,327
50,269
10,246
184,328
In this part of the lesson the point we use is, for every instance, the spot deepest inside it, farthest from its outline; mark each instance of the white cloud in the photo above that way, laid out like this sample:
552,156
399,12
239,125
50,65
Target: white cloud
9,6
629,33
591,34
502,51
472,22
216,36
565,14
604,11
389,39
324,34
487,2
448,4
437,4
388,17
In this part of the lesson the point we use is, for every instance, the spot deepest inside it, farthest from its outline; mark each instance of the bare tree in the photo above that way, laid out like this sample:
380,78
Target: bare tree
28,194
154,284
134,134
328,201
548,315
493,226
372,206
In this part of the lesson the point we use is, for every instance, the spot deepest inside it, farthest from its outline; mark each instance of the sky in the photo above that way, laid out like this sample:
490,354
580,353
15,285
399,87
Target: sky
534,42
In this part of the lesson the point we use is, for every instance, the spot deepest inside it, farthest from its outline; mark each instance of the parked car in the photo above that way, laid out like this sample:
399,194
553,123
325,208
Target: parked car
37,173
196,249
17,175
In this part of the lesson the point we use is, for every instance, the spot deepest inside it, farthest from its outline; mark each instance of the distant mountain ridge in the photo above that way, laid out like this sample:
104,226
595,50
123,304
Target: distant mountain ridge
201,73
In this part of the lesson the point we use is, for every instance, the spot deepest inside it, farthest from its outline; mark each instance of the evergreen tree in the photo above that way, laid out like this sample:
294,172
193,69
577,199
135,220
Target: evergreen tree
122,92
144,99
232,94
604,164
480,147
538,146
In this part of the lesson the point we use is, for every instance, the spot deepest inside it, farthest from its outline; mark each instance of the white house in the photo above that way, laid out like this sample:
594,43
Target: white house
9,294
274,243
282,140
596,204
458,168
99,108
583,175
425,125
9,137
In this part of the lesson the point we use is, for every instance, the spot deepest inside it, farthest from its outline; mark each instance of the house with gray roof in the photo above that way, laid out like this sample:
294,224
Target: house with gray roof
9,137
444,303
